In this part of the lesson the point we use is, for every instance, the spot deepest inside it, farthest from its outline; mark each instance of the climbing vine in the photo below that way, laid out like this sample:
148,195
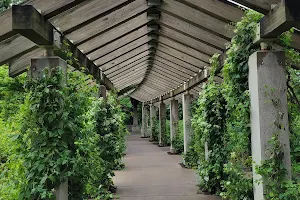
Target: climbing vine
209,124
222,121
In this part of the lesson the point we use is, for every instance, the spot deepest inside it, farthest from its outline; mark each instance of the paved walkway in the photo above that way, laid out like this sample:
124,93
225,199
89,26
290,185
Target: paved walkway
152,174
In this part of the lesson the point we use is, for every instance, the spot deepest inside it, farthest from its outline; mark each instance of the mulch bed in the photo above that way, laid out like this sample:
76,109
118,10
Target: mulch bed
173,153
183,166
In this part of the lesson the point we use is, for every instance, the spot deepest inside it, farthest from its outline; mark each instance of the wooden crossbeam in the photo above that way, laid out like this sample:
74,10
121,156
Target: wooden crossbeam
258,5
28,22
282,18
200,77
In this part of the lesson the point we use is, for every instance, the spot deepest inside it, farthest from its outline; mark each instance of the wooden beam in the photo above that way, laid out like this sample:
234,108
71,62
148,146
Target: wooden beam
259,5
105,20
92,9
132,78
98,41
193,31
40,32
128,62
161,61
130,83
184,49
48,9
27,21
115,45
121,51
21,63
183,38
129,70
218,9
196,80
177,61
115,71
210,24
123,58
183,56
281,19
168,73
174,72
15,47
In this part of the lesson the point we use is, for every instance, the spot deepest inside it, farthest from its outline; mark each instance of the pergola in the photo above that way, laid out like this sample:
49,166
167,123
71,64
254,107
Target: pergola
151,46
154,50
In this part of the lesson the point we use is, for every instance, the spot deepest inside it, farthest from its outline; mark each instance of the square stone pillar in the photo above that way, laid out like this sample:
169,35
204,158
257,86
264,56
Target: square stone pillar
269,110
62,191
36,72
152,120
103,92
173,122
144,122
162,123
147,113
135,127
187,126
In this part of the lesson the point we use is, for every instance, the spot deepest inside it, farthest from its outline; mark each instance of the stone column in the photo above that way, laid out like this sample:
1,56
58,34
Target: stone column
36,72
162,123
152,120
173,122
144,122
135,127
187,127
103,92
269,110
147,117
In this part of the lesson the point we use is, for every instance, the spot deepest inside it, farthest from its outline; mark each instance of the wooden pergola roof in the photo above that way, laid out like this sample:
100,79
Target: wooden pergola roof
157,46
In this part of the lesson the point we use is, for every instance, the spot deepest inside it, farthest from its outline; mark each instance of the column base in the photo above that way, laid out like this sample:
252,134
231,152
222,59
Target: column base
172,150
61,192
135,129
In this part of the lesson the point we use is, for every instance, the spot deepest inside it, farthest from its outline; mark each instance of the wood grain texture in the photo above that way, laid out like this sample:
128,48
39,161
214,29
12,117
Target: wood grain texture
183,38
182,56
121,51
161,61
126,70
13,47
108,21
193,31
122,58
21,63
126,39
171,58
83,12
183,48
116,70
129,61
190,15
217,9
111,35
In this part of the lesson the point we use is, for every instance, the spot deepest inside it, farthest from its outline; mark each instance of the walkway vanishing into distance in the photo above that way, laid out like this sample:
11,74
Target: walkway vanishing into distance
152,174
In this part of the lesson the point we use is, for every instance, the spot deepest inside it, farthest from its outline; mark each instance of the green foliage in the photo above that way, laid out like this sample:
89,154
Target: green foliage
238,104
209,124
127,108
272,170
178,141
11,166
45,139
167,139
5,4
61,132
155,129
